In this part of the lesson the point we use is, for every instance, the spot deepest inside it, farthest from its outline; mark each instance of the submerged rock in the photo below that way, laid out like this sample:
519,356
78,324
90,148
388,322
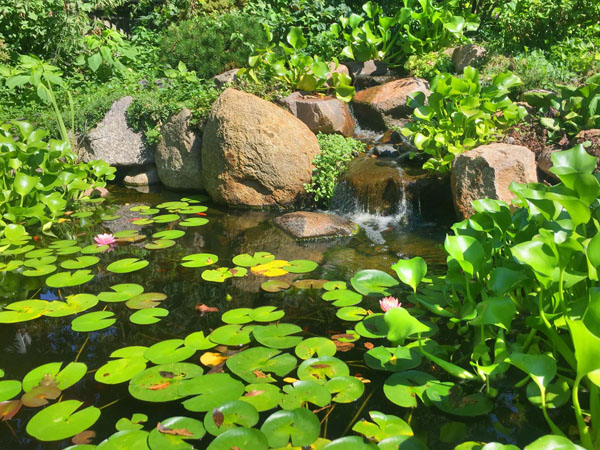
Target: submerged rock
178,159
113,141
309,225
321,114
254,153
142,176
487,171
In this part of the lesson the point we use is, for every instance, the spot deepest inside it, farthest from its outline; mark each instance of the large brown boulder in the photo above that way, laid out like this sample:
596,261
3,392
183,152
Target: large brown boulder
375,106
487,171
321,114
311,225
467,55
177,156
254,153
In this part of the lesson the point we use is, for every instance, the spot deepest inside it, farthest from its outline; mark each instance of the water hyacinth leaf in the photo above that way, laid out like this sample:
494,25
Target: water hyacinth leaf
402,324
333,285
69,279
64,379
351,313
254,365
210,391
271,269
62,420
411,271
162,383
169,234
124,440
242,438
503,279
73,304
266,314
300,266
403,388
127,265
497,311
373,282
342,297
135,423
165,218
323,368
159,244
169,351
275,285
403,442
304,392
174,431
80,263
198,341
350,443
587,352
15,233
573,161
146,300
93,321
122,293
223,273
193,222
556,395
263,396
309,284
441,396
232,335
541,368
300,426
467,251
23,311
347,389
382,427
9,389
372,326
393,359
247,260
148,316
199,260
277,336
316,345
230,415
553,442
82,214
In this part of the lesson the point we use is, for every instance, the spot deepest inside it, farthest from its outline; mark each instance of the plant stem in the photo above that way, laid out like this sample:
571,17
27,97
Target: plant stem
584,431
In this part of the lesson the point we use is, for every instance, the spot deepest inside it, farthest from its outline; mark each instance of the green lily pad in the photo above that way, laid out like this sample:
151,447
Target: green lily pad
109,217
130,362
194,209
93,249
125,440
169,351
275,285
80,263
242,438
323,368
124,234
138,208
161,383
231,335
146,300
347,389
23,311
169,234
301,392
199,260
403,388
166,218
69,279
73,304
230,415
277,336
372,326
123,292
68,250
351,313
382,427
333,285
342,297
172,433
39,262
254,365
135,423
246,260
94,321
263,396
9,389
222,273
299,425
148,316
40,271
142,221
309,284
65,378
193,222
266,314
301,266
315,345
172,206
210,391
237,316
395,359
470,405
64,243
159,244
60,421
373,282
198,341
40,253
127,265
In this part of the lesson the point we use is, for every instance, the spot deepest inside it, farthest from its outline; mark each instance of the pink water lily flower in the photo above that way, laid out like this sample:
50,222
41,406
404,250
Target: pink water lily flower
106,239
388,303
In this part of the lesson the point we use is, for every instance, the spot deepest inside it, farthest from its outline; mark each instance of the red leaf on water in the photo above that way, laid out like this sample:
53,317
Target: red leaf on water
369,345
203,309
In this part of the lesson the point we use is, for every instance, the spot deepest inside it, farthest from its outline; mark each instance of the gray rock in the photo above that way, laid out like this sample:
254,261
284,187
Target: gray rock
467,55
321,114
113,141
311,225
142,176
226,77
178,154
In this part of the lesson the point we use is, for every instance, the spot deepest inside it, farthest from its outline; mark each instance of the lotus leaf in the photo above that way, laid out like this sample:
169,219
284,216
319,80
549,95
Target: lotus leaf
93,321
93,249
148,316
322,368
142,222
403,442
230,415
127,265
254,365
172,206
498,311
348,389
319,345
242,438
210,391
80,263
258,258
277,336
263,396
193,209
304,391
552,442
139,208
60,421
383,426
373,282
333,285
299,425
63,243
173,432
309,284
69,279
123,292
169,351
68,250
162,383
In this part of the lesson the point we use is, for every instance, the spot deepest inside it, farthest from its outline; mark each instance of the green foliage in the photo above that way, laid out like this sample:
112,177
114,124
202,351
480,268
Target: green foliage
40,178
210,45
336,152
461,114
429,65
105,53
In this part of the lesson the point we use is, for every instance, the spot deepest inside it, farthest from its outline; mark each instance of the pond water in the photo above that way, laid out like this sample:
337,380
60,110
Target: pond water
27,345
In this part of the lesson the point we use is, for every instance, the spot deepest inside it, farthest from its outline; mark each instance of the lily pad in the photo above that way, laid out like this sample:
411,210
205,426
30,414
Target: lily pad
159,244
403,388
193,222
62,420
372,326
169,234
300,392
130,362
299,425
127,265
395,359
9,389
301,266
173,206
322,368
242,438
198,341
142,221
316,345
382,427
351,313
64,243
172,433
166,218
210,391
93,249
23,311
135,423
199,260
125,440
123,292
93,321
68,250
278,336
161,383
333,285
350,443
40,253
275,285
148,316
223,273
263,396
146,300
69,279
124,234
198,209
266,314
64,379
309,284
169,351
246,260
230,415
271,269
254,365
342,297
73,304
80,263
373,282
347,389
232,335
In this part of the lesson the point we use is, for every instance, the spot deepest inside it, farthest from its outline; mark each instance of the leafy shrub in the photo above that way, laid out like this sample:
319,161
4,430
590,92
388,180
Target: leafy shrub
336,152
210,45
105,53
428,65
40,177
460,114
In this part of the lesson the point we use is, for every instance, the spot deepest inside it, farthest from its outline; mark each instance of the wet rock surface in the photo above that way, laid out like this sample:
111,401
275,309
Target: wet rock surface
311,225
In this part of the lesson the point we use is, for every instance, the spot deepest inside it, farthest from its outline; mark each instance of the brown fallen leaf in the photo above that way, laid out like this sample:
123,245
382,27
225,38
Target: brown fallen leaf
212,359
342,336
218,417
38,395
203,309
9,409
343,346
173,431
83,438
259,374
319,366
253,393
369,345
159,386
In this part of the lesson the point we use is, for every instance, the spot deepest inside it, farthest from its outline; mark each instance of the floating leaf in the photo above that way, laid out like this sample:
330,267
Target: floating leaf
9,409
210,391
162,383
148,316
131,362
231,335
301,266
351,313
123,292
199,260
142,222
60,421
372,326
80,263
193,209
277,336
93,249
231,415
342,297
127,265
393,359
135,423
333,285
300,426
373,282
172,206
93,321
403,388
125,440
266,314
39,395
173,432
323,368
242,438
169,351
69,279
168,234
254,365
193,222
159,244
275,285
246,260
64,379
263,396
146,300
315,345
9,389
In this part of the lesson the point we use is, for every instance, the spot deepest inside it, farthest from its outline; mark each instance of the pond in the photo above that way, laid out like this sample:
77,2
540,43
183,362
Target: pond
195,302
